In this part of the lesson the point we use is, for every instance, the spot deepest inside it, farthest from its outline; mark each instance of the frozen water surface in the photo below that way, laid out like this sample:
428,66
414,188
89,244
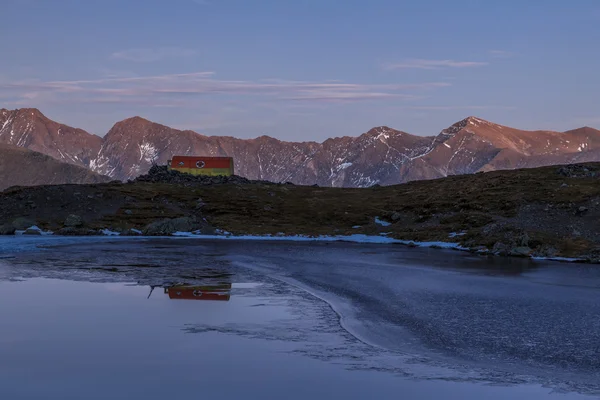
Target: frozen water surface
129,318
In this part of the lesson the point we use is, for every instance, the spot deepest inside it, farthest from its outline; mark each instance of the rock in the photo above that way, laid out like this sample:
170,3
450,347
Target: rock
268,208
7,229
593,256
22,223
73,221
170,226
396,216
564,185
524,240
581,210
128,212
490,228
500,249
200,203
546,251
521,251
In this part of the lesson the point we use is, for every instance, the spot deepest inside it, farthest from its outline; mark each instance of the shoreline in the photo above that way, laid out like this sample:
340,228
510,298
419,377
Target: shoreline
355,239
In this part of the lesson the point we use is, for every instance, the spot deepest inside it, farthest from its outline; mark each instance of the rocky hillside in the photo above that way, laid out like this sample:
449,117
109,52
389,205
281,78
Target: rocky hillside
22,167
546,212
381,156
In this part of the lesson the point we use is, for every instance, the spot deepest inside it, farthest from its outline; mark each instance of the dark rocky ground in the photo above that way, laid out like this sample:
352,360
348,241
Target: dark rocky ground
161,174
549,211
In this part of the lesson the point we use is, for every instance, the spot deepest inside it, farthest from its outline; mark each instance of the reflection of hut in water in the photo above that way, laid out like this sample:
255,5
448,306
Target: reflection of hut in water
220,292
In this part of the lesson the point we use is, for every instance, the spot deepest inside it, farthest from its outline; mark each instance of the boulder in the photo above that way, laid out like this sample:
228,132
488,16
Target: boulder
523,240
520,251
7,229
500,249
581,210
593,256
73,221
546,250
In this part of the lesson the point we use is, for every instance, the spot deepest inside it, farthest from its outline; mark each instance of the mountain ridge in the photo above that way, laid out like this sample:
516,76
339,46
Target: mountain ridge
382,155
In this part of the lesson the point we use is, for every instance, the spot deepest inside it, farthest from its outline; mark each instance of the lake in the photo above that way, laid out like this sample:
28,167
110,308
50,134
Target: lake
129,318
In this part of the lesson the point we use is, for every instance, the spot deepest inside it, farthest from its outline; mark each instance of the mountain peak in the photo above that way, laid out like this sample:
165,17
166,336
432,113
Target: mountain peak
135,120
34,112
470,121
132,125
384,130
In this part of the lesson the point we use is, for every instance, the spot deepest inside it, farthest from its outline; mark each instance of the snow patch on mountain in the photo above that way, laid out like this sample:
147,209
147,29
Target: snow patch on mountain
343,166
148,152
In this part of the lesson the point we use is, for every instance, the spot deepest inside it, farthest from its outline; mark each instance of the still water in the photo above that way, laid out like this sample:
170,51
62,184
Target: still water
154,319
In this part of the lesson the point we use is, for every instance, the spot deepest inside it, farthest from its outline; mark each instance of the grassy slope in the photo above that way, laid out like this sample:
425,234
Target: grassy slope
493,207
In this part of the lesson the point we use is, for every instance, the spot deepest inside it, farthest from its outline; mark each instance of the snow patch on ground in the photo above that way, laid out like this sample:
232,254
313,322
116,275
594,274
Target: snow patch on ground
562,259
108,232
439,245
381,222
455,234
34,228
355,238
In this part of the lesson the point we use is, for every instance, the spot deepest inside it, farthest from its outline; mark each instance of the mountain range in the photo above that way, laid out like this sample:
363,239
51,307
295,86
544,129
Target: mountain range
380,156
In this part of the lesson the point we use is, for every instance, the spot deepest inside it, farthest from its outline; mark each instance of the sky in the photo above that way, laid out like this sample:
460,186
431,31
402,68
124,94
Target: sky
304,69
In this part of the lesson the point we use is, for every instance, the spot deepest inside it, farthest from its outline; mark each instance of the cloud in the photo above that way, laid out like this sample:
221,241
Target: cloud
452,108
152,55
501,54
346,96
433,64
181,88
